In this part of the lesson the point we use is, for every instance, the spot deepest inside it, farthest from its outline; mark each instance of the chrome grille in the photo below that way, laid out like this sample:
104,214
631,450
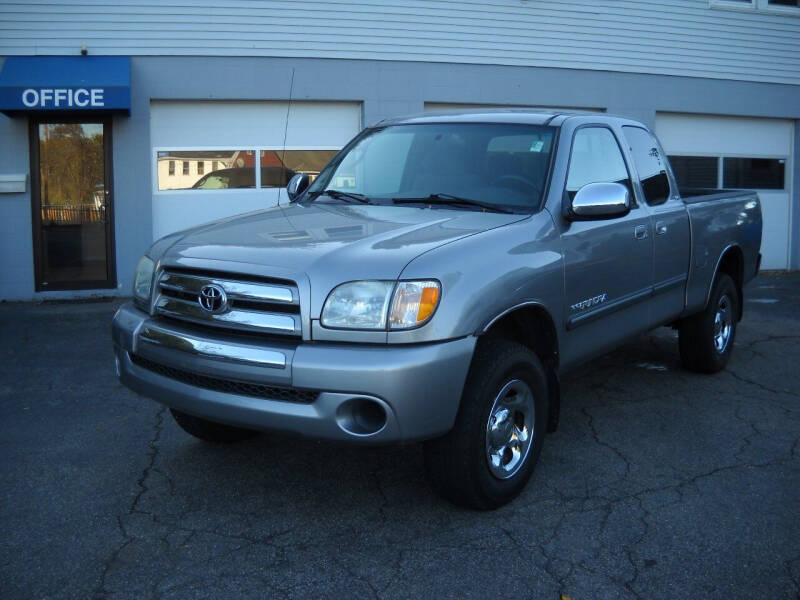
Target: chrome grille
253,305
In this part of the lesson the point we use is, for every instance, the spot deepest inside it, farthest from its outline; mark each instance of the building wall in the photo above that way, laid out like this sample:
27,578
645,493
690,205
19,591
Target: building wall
384,89
696,38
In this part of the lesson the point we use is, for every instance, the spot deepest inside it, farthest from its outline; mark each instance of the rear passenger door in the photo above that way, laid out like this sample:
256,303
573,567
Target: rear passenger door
670,224
608,263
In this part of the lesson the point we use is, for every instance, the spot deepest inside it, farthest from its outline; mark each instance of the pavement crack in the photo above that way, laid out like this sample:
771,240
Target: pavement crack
127,539
152,455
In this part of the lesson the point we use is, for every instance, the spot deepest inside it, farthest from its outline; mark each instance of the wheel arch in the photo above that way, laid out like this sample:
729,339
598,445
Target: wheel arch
531,324
730,262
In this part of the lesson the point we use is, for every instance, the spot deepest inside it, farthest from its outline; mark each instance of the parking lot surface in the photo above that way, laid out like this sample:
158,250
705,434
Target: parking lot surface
658,484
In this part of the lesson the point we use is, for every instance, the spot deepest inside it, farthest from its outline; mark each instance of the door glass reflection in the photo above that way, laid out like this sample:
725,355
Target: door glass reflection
73,200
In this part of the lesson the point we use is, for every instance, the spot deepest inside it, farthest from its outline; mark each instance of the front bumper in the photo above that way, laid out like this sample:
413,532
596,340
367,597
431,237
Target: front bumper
418,387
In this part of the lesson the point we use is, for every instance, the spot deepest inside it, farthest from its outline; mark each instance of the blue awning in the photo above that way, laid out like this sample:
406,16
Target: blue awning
65,83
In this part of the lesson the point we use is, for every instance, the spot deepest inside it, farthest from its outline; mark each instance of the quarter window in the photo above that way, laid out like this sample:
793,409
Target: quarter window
595,158
650,164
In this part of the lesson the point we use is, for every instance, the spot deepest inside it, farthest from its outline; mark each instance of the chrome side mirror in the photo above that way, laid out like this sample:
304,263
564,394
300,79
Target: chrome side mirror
297,185
600,201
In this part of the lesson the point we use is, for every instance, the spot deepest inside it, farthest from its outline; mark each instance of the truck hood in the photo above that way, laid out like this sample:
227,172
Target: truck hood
329,243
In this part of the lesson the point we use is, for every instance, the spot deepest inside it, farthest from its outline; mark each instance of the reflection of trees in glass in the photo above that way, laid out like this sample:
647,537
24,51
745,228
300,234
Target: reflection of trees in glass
71,164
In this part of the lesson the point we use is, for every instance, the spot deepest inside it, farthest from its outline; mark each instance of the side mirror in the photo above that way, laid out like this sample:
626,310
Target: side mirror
600,201
297,185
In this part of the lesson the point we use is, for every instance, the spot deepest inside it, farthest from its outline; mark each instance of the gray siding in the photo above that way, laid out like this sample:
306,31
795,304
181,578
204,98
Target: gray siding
679,37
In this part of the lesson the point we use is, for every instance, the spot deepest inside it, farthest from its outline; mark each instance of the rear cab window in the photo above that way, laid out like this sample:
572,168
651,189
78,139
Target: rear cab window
650,163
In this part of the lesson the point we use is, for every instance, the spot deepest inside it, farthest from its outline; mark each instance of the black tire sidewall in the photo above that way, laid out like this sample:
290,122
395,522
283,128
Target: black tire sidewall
723,286
521,364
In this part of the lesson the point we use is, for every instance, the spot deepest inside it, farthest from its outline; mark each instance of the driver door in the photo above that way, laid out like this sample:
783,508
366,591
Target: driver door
608,263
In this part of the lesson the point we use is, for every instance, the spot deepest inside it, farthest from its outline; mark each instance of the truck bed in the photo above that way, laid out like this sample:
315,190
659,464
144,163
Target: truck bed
698,195
720,219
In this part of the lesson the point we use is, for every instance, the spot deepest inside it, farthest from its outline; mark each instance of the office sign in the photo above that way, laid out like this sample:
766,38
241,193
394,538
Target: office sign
65,83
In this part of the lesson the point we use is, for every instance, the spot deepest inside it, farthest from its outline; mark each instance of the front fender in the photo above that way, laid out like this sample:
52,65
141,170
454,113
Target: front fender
485,275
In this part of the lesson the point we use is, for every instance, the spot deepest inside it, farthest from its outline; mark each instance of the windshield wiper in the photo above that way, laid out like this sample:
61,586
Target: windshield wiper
450,200
340,195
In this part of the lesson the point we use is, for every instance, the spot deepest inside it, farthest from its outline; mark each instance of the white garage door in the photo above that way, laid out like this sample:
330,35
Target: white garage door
214,159
735,152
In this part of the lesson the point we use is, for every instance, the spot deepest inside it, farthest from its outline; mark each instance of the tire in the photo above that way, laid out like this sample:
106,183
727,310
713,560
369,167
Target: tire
471,466
210,431
706,339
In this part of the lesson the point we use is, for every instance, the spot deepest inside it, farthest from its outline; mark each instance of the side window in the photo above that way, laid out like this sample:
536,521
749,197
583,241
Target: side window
650,164
596,158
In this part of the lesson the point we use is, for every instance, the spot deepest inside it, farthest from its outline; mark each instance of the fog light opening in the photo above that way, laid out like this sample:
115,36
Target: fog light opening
361,416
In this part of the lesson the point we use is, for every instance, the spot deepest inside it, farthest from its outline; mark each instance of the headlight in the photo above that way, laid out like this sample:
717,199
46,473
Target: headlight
142,282
365,304
358,305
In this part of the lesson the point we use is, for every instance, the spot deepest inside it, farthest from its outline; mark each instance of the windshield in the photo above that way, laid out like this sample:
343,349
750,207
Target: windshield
474,165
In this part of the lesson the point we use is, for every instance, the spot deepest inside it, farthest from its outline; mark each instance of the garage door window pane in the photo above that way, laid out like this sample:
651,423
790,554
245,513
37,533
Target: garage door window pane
695,171
754,173
230,169
278,166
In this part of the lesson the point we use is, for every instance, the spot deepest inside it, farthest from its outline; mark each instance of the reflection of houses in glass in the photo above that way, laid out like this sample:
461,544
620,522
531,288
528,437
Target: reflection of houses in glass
310,162
181,169
226,169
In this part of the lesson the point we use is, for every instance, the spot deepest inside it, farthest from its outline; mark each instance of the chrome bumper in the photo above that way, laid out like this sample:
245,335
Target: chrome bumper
418,387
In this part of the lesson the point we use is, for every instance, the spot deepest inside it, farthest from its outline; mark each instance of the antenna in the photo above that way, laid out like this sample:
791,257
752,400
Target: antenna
285,134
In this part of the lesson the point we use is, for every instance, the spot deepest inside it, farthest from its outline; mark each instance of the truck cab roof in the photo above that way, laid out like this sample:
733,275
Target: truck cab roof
506,115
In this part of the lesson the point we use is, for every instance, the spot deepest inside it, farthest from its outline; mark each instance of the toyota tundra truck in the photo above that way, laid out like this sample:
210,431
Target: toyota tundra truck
434,283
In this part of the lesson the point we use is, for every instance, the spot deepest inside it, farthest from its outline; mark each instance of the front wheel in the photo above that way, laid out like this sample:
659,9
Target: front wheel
490,454
706,339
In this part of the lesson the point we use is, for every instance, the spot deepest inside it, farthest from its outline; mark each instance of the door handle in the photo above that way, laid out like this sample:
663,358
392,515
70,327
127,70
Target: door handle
661,228
640,232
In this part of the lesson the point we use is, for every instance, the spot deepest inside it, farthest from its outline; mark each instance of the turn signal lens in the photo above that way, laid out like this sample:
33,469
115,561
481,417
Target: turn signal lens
413,303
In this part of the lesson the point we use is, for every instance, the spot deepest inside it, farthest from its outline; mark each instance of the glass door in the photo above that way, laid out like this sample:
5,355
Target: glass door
72,204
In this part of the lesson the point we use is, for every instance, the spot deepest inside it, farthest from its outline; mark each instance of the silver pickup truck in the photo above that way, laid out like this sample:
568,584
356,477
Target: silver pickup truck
433,283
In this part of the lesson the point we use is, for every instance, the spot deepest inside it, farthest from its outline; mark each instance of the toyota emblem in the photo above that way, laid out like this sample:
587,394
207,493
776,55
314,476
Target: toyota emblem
212,299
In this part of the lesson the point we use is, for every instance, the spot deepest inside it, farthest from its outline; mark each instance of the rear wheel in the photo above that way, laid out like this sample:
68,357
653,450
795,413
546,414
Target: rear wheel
490,454
706,339
210,431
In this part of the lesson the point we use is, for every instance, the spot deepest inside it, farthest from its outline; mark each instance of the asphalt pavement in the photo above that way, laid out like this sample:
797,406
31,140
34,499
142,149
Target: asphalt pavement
658,484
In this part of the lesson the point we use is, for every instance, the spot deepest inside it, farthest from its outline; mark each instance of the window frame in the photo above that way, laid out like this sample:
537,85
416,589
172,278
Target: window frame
746,6
777,8
721,166
565,194
667,167
754,6
245,148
